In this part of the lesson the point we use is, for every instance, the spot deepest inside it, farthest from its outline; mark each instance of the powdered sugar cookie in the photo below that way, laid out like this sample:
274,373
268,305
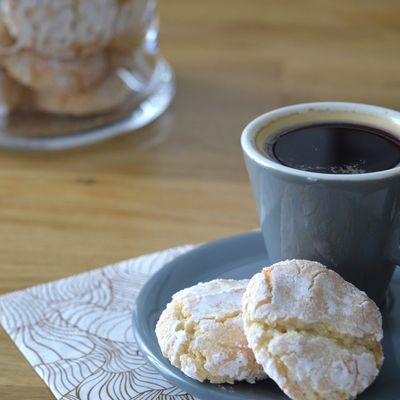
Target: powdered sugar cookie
104,97
201,333
60,28
315,334
56,76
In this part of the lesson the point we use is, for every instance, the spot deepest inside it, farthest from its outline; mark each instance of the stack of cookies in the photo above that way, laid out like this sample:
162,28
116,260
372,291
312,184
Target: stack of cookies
296,322
61,56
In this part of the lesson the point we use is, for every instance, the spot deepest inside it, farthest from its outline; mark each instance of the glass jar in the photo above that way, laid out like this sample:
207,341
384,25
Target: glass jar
74,72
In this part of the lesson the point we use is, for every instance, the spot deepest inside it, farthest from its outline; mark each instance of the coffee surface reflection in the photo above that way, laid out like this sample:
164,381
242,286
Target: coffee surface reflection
335,148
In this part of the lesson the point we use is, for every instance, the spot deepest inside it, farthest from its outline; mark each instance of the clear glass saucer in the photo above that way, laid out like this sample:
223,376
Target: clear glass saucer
58,132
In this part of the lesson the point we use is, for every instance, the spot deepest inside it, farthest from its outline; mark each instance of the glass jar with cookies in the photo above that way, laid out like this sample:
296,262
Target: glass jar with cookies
76,71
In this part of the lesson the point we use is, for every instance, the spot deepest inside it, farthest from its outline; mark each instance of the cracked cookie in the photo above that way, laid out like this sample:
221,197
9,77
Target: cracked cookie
107,95
201,332
56,76
60,28
316,335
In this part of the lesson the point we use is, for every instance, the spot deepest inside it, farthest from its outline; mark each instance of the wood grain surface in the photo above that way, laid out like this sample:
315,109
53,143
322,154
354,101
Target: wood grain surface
182,179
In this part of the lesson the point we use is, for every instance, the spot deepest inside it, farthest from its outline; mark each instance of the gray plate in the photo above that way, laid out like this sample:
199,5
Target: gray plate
240,257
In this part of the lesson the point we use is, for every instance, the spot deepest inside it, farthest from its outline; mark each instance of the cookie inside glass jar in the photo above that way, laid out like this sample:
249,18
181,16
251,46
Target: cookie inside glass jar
77,59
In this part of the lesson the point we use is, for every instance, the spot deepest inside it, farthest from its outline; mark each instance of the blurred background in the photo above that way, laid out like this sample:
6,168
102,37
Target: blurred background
182,178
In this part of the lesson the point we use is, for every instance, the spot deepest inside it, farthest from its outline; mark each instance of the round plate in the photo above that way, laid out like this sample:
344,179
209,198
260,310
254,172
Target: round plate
240,257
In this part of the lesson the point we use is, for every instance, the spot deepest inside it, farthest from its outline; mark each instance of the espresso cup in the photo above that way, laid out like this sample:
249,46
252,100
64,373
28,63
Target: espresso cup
348,222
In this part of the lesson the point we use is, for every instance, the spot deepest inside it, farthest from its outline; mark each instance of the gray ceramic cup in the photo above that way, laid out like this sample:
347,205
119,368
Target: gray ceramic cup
350,223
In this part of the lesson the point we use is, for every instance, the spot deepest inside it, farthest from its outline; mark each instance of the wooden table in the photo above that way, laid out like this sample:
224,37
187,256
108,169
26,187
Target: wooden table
182,179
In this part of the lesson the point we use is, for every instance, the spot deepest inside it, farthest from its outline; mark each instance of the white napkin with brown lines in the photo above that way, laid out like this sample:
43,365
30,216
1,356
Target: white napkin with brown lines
77,333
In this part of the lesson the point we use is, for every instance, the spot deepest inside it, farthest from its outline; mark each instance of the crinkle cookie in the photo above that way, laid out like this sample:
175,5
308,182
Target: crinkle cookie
201,332
316,335
60,27
109,94
56,76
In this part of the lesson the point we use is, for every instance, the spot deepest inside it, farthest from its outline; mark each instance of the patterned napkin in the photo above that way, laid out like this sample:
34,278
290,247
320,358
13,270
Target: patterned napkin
77,333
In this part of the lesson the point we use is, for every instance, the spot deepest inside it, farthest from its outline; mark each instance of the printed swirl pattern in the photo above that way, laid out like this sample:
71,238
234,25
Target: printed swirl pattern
77,333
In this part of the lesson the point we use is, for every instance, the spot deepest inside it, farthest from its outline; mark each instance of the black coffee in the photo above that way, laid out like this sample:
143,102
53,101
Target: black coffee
336,148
